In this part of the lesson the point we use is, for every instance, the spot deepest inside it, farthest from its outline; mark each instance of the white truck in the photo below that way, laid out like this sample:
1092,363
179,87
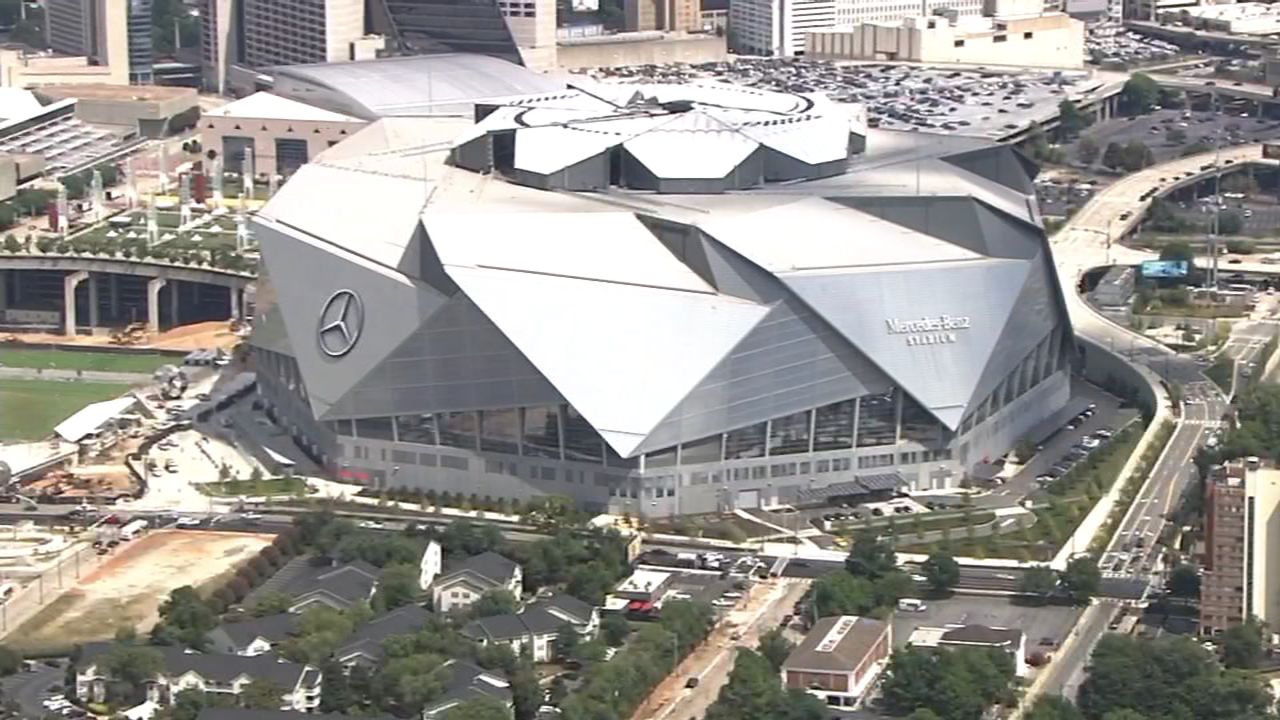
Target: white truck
132,529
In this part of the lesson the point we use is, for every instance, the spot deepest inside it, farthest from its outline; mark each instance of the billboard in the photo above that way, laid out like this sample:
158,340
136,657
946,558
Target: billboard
1165,268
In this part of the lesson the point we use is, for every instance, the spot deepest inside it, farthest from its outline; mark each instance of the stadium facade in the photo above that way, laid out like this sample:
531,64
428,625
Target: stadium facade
659,299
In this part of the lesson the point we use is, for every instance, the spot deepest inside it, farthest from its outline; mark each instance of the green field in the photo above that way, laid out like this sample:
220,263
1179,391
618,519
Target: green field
83,360
30,408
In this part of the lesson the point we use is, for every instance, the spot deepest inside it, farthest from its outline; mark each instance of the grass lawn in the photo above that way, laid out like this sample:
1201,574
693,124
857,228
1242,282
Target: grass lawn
1220,372
250,488
905,525
83,360
30,408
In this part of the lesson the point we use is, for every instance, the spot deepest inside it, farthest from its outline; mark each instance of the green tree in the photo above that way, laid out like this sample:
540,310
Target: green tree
1139,94
494,602
1038,581
1198,147
10,660
1071,120
130,667
397,587
1242,645
262,694
614,629
272,603
870,558
408,683
942,571
923,714
75,186
753,692
1053,707
336,695
1124,714
185,618
775,647
187,704
567,640
8,218
1087,150
1184,581
1136,156
843,594
1081,579
1177,250
1113,155
1230,222
480,709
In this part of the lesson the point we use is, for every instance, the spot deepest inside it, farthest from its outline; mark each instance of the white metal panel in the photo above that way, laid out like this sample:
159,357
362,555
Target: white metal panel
622,355
693,145
605,246
813,139
838,237
549,149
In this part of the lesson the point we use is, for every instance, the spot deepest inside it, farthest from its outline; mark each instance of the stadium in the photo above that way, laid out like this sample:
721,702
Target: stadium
659,299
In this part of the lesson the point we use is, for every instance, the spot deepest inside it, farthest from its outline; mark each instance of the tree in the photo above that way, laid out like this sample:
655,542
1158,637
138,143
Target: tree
1177,250
1070,120
1230,222
409,683
567,640
10,660
1136,155
870,558
187,704
753,692
843,594
614,629
185,618
1124,714
480,709
494,602
1053,707
923,714
397,587
1038,581
1113,155
1081,579
775,647
1087,150
336,695
1184,581
1139,94
955,684
262,694
75,186
942,571
1242,645
131,667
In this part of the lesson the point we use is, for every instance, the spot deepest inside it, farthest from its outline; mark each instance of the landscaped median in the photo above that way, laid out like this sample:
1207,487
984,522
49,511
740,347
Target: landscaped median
1132,486
268,487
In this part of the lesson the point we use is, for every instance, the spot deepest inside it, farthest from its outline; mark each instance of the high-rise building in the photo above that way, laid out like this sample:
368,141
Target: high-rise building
221,37
1242,547
141,51
777,27
519,31
69,24
671,15
100,30
298,32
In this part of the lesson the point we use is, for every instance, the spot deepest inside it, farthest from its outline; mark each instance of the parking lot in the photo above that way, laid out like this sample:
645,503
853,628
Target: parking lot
1110,44
1039,622
980,102
1204,126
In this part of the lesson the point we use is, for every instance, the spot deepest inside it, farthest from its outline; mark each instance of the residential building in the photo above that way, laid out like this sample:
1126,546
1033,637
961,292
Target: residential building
284,134
461,586
670,15
1009,640
208,673
536,629
430,565
252,637
1050,40
337,587
1242,533
469,682
364,647
839,659
296,32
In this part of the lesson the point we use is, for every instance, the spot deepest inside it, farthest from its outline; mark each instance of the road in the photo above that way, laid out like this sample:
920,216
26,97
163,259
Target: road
27,688
712,661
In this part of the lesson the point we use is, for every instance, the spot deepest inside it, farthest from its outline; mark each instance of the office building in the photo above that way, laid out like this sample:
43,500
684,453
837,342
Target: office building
100,42
1242,547
296,32
672,15
853,12
221,37
592,301
518,31
141,50
777,27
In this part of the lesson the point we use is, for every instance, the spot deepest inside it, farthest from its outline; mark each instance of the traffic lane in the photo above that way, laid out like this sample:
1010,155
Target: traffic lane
29,688
1066,671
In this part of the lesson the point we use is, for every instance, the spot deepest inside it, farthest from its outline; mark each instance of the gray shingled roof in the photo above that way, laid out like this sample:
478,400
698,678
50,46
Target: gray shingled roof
272,628
843,655
983,635
539,618
369,637
466,682
351,582
218,667
488,565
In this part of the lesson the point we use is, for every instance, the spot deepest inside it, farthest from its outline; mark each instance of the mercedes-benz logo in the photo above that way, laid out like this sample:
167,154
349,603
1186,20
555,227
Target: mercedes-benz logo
341,322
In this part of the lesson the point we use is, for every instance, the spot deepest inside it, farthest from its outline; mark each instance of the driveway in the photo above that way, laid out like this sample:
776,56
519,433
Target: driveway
27,689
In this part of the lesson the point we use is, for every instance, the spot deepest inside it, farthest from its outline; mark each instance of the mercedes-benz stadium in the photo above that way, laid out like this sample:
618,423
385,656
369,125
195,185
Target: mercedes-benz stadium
659,299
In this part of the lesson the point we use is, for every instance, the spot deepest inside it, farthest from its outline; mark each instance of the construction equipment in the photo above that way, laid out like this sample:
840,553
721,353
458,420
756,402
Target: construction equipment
131,334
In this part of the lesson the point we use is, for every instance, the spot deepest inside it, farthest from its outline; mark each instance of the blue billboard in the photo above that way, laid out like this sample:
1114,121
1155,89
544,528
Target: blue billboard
1165,268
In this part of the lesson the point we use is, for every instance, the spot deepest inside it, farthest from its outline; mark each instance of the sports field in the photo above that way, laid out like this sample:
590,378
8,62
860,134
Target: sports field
30,408
81,360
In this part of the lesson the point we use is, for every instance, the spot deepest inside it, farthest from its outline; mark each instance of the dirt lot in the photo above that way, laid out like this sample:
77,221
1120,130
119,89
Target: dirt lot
212,334
128,588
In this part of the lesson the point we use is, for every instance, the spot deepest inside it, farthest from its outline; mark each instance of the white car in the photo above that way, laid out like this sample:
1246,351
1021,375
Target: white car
732,596
373,525
188,522
723,603
250,516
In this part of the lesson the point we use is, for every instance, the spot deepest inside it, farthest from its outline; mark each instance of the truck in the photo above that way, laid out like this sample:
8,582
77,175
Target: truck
687,560
132,529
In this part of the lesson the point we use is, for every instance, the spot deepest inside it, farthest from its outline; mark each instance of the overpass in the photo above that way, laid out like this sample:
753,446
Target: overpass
118,290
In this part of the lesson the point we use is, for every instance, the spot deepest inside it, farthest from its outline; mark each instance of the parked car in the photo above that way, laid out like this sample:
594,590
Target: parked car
372,525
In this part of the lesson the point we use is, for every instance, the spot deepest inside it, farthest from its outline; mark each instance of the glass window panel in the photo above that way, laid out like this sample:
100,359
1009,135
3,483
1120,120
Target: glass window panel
789,434
613,459
581,441
542,432
343,427
918,424
701,451
500,431
378,428
747,442
420,429
458,429
878,419
660,459
833,428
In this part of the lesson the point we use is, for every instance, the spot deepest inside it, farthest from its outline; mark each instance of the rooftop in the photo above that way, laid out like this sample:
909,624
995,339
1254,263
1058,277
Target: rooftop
266,106
102,91
643,581
975,634
488,565
837,644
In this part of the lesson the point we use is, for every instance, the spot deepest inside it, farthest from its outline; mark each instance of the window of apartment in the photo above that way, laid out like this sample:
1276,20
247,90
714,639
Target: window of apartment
959,43
1027,35
999,38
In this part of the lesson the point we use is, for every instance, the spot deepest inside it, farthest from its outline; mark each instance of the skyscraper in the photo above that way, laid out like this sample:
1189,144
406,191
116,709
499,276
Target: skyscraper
298,32
141,52
1242,529
101,30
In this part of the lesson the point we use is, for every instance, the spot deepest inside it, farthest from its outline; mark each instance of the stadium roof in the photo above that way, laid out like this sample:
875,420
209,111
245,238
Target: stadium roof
266,106
415,85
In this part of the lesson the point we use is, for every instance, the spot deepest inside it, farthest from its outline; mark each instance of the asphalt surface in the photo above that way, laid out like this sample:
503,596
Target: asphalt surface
28,688
1200,126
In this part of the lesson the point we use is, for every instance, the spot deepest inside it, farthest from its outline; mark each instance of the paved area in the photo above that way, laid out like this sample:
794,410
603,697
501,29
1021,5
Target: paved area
712,662
1204,126
1052,622
28,688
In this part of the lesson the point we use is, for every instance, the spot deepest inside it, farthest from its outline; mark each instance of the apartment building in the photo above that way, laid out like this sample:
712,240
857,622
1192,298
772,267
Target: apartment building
1242,537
